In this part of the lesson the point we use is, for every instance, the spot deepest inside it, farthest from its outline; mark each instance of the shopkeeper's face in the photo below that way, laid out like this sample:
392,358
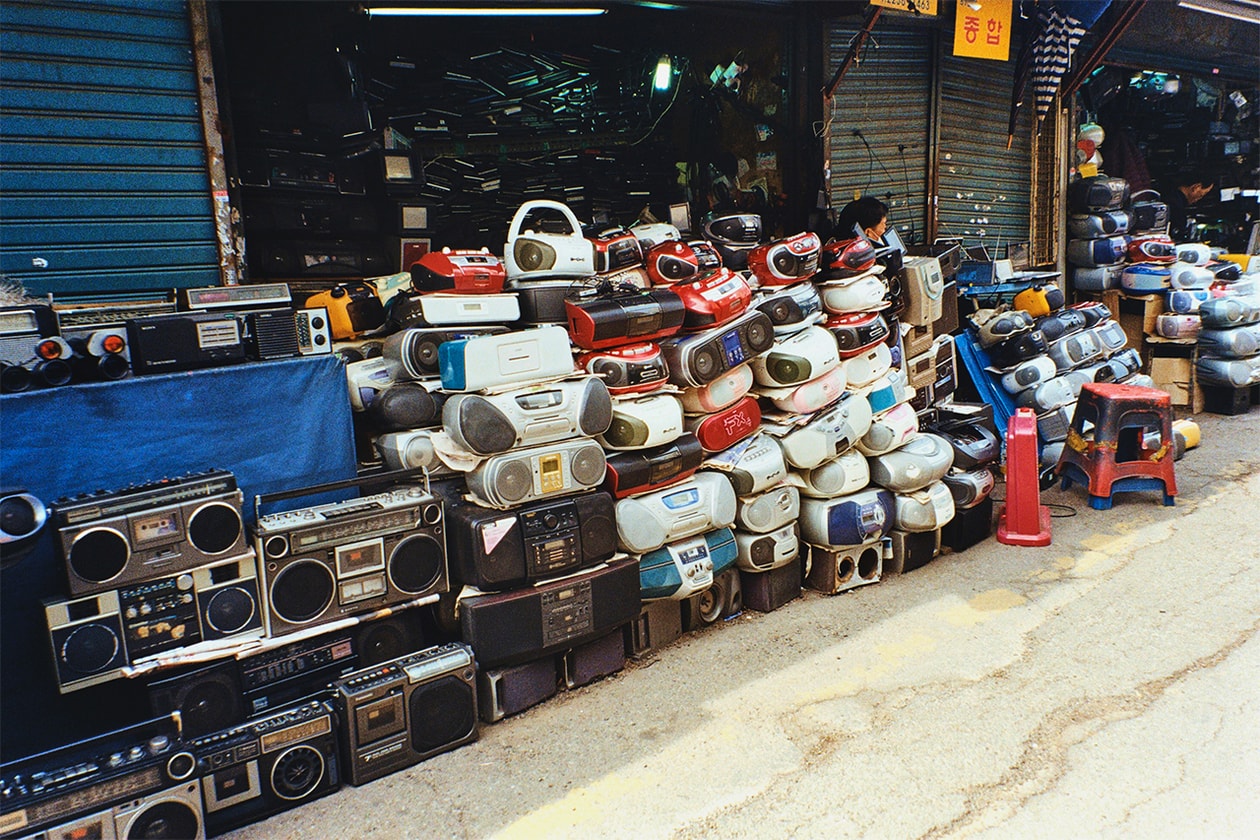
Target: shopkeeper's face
877,232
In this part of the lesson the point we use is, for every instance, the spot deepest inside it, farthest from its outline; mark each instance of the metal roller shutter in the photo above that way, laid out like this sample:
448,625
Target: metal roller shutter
887,97
983,187
104,186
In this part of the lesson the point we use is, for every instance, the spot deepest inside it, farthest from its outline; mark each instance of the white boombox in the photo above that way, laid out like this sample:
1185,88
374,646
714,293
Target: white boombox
537,253
768,511
701,503
410,449
924,287
1027,374
724,391
791,309
862,293
493,361
847,520
1111,336
1075,350
1187,301
828,433
865,368
923,510
528,416
654,233
924,459
1186,276
643,422
971,487
889,430
538,472
441,309
697,358
1047,396
889,391
810,396
1222,313
1195,253
763,552
752,465
796,359
848,473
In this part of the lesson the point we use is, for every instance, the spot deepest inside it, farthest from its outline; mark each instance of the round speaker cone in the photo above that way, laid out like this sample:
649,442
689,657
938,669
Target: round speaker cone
230,610
89,648
513,481
383,641
113,367
759,335
54,372
296,773
788,371
762,553
780,312
610,370
18,517
709,602
626,431
302,591
416,563
532,255
99,554
209,706
599,537
14,378
597,411
588,465
486,429
165,819
705,363
785,262
442,712
214,527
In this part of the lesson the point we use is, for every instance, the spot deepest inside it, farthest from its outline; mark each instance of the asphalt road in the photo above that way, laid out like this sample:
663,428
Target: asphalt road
1107,685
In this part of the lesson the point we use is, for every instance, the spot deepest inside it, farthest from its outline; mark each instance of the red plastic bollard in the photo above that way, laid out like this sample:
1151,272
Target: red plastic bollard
1023,520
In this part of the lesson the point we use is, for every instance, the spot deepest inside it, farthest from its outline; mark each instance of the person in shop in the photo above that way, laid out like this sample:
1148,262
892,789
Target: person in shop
866,214
1187,189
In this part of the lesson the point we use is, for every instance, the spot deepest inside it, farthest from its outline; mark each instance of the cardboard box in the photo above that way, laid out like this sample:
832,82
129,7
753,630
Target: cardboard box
1138,315
1171,365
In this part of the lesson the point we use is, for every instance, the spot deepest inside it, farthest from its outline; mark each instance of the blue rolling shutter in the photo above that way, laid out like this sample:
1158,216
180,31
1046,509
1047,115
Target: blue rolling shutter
104,186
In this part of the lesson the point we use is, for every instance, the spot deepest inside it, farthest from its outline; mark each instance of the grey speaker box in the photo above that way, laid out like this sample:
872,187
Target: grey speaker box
594,660
507,691
767,591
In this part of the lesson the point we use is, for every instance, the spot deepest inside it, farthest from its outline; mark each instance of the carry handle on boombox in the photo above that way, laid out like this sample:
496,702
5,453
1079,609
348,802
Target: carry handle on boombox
575,227
391,477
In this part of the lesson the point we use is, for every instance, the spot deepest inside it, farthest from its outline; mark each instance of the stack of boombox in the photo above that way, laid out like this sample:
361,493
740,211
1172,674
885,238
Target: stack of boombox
295,659
42,345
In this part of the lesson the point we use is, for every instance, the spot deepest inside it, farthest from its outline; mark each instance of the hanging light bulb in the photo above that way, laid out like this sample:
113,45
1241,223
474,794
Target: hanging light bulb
664,73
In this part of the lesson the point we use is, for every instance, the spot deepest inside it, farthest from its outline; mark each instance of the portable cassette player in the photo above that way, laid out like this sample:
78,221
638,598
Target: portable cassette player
786,261
627,369
713,298
538,472
528,416
650,469
494,550
768,511
598,320
641,422
321,563
753,465
763,552
796,359
353,309
701,503
791,308
683,568
108,539
463,271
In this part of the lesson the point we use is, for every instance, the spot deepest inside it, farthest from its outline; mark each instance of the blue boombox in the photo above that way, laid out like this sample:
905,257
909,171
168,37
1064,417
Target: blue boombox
685,567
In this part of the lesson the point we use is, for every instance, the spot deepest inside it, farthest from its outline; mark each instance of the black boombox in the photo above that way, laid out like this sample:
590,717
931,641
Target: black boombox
398,714
606,320
111,538
184,341
698,358
226,693
509,627
132,782
94,637
1097,194
322,563
791,308
494,550
627,369
651,469
268,765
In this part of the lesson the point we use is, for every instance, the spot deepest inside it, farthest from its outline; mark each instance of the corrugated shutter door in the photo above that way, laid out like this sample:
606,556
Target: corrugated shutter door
103,178
888,98
983,186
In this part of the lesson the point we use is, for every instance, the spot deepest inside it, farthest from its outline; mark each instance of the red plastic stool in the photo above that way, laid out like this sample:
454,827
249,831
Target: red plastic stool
1115,456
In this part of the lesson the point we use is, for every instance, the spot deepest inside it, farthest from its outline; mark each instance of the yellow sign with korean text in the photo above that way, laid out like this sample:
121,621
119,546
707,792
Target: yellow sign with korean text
923,7
983,32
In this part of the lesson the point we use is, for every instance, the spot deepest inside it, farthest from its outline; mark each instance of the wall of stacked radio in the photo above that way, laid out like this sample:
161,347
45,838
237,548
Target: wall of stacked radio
1192,292
670,431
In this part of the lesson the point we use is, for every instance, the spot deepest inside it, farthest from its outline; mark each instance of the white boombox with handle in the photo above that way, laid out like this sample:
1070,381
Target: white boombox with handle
533,252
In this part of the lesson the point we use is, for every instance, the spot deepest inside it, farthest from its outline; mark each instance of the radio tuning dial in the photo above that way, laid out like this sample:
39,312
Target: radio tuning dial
158,744
184,582
550,520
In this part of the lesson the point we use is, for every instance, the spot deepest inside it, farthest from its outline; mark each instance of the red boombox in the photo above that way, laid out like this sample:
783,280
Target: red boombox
713,298
786,261
463,271
857,332
671,261
651,469
847,258
727,427
629,369
616,248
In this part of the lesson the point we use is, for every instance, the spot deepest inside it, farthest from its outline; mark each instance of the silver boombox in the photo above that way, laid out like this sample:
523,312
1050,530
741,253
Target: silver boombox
701,503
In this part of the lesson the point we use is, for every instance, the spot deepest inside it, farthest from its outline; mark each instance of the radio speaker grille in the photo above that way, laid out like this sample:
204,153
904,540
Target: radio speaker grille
416,563
214,528
589,465
302,591
442,713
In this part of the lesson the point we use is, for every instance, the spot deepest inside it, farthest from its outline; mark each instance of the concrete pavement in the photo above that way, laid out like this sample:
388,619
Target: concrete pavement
1107,685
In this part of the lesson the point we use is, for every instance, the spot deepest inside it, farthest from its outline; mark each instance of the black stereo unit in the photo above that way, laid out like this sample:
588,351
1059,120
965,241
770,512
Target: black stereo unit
398,714
268,765
126,783
184,341
651,469
494,550
511,627
318,258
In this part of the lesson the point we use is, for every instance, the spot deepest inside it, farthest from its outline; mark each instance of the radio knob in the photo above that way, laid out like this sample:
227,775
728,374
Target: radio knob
550,520
131,612
691,572
135,753
184,582
115,759
146,608
159,744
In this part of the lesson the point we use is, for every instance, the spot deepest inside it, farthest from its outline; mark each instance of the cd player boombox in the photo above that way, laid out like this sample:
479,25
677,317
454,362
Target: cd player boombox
493,361
701,503
681,569
650,469
531,252
698,358
644,421
528,416
538,472
768,511
600,320
631,368
413,351
786,261
791,308
462,271
801,357
670,261
752,465
712,298
720,393
725,428
829,433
